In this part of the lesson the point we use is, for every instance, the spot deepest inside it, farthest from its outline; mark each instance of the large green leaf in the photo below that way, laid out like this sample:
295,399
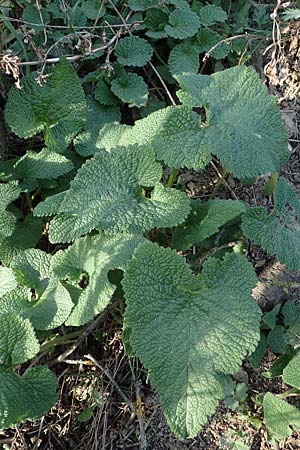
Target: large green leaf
107,194
18,342
278,233
26,398
189,331
57,107
280,416
91,258
243,125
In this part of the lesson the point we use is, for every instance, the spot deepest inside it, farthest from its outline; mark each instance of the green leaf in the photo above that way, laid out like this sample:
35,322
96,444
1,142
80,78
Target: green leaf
244,126
33,14
210,41
257,356
278,340
291,314
183,23
26,398
104,95
173,132
32,268
141,5
18,342
184,58
155,22
181,333
50,310
57,107
8,193
291,373
7,280
270,317
43,165
92,9
239,445
107,194
279,364
92,258
291,14
133,51
205,220
130,88
36,294
277,233
211,14
280,416
97,116
193,89
25,235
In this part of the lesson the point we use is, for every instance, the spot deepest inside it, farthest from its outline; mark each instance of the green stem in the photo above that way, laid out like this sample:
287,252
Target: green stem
220,182
271,185
289,393
160,59
29,201
172,177
46,346
37,192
